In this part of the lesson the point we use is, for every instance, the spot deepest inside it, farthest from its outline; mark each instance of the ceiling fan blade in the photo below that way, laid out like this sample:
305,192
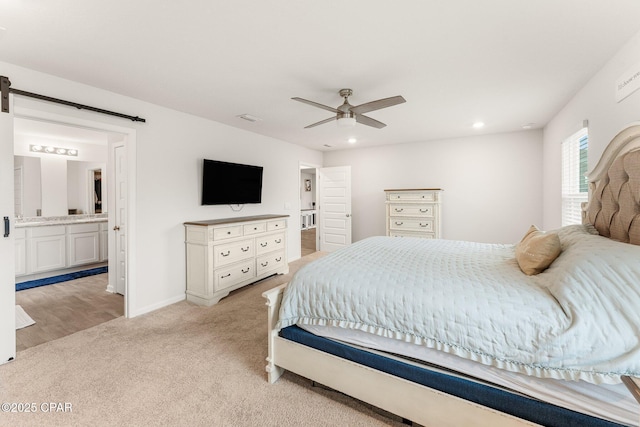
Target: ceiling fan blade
377,105
364,120
315,104
321,122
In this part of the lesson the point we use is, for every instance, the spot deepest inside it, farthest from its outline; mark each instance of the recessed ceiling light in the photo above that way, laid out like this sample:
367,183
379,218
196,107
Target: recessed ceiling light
249,118
528,126
352,140
478,125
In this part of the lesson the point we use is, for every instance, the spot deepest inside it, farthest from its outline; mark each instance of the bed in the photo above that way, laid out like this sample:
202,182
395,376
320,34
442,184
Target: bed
510,339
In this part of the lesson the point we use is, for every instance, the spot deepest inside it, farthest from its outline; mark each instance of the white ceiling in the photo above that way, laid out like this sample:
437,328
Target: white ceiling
503,62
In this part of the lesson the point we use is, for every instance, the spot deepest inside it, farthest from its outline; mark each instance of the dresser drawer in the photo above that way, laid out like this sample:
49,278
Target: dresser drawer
413,196
278,224
269,243
232,275
270,262
258,227
425,225
403,233
425,210
230,232
231,252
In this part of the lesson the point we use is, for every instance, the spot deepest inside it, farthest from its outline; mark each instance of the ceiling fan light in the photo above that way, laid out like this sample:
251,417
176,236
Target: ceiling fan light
346,122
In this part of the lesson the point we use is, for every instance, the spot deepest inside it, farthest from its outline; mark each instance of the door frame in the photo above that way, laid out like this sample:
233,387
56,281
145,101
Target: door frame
128,135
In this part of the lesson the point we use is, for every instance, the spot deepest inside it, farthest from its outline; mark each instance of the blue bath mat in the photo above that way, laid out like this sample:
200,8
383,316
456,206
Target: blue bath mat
57,279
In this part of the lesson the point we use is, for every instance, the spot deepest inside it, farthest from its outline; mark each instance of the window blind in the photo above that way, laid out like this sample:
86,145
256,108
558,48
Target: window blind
574,181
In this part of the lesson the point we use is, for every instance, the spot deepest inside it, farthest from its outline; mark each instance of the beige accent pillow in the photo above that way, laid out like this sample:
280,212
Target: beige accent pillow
537,250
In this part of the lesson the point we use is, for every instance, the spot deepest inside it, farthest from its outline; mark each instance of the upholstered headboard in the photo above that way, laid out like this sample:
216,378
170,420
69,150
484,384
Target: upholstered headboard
614,189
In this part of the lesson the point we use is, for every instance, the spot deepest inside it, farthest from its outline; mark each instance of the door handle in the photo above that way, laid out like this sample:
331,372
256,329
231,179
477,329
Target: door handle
116,228
6,226
348,215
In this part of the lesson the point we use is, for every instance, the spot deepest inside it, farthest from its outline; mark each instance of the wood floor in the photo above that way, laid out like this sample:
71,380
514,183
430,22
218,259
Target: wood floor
308,241
65,308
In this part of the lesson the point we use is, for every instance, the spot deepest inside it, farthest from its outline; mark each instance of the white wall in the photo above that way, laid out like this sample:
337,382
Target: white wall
492,183
170,147
596,103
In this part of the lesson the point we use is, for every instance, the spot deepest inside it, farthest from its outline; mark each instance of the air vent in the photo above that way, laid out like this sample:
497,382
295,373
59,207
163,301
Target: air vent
249,118
327,145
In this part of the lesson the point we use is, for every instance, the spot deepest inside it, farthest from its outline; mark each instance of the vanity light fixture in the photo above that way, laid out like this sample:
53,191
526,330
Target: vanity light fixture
53,150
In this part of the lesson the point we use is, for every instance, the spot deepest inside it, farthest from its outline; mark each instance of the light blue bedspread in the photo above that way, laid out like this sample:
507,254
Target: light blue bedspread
578,320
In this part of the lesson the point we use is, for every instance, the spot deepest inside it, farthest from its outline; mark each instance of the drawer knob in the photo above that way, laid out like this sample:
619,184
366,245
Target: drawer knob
227,254
399,209
225,276
424,210
278,259
399,223
245,249
423,225
264,245
228,232
264,264
246,271
278,241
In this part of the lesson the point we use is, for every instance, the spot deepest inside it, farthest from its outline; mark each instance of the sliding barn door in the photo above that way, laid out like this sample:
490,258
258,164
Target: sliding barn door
334,207
7,245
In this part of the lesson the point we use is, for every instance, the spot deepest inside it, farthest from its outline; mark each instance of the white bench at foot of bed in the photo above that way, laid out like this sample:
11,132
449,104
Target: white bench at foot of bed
406,399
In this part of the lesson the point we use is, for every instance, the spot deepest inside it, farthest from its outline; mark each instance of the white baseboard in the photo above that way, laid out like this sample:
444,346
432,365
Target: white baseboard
143,310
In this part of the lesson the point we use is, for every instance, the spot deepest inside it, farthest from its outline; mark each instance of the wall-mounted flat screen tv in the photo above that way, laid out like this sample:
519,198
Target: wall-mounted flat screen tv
225,183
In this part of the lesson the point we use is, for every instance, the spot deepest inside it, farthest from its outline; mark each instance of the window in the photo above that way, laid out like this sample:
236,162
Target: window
574,181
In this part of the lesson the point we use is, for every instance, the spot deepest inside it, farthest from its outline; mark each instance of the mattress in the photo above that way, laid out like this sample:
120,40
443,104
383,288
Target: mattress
611,402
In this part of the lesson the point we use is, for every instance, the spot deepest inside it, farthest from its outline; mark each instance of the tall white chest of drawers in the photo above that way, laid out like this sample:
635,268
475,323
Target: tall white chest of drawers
414,213
226,254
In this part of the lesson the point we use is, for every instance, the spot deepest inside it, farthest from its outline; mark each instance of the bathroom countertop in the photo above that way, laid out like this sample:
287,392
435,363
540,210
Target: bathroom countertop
42,221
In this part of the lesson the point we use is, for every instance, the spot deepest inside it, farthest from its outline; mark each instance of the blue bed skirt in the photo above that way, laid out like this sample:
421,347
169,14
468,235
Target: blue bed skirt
522,407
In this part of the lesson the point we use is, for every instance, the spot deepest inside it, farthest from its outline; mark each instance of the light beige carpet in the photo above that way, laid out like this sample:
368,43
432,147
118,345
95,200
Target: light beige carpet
182,365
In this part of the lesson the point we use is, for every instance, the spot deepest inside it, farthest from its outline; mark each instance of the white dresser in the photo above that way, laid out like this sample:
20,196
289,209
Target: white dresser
226,254
414,213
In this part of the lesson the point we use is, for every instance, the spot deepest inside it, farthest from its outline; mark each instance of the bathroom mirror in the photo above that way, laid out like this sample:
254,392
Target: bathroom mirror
53,186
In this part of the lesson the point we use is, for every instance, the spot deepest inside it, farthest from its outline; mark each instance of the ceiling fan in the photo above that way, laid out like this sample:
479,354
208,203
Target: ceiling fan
348,115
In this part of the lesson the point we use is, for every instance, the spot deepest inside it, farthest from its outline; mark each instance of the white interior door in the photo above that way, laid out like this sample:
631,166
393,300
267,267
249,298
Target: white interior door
334,207
7,248
120,217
